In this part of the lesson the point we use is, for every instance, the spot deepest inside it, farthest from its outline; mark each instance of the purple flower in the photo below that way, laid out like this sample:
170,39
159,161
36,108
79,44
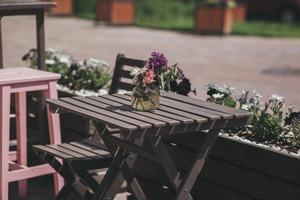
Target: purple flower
157,61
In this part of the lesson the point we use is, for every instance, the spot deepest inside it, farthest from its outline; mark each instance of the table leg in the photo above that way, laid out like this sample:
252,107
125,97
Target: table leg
21,127
197,165
166,161
4,140
118,171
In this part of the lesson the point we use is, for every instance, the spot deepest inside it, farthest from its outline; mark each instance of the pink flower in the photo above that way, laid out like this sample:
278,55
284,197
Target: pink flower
149,78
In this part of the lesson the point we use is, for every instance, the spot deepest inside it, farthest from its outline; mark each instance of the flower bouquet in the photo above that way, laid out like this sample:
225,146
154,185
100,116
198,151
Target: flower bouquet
156,75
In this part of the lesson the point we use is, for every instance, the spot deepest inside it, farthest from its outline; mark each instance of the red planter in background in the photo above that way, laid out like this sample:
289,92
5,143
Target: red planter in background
215,20
63,7
115,11
240,13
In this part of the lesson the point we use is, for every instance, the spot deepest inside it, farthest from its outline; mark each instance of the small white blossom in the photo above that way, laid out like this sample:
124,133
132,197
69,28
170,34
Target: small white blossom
246,107
276,97
218,96
96,63
136,71
65,59
50,62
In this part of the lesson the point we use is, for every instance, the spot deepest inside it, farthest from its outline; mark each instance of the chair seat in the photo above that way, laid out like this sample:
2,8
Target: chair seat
86,149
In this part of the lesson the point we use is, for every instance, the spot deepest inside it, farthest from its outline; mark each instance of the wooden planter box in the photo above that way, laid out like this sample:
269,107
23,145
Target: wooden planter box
119,12
234,170
213,20
63,7
240,13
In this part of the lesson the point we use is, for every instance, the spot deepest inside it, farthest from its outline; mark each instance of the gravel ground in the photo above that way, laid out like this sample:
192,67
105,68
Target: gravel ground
270,65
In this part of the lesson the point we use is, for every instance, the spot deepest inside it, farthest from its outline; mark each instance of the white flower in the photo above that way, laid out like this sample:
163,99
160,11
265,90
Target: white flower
246,107
50,62
276,97
135,71
51,50
65,59
218,96
96,62
290,135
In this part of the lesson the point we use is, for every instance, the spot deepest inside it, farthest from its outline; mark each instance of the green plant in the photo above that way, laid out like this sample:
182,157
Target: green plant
220,95
269,123
90,74
165,14
219,3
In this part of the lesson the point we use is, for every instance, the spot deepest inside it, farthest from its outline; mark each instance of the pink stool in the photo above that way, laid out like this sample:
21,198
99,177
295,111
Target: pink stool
20,81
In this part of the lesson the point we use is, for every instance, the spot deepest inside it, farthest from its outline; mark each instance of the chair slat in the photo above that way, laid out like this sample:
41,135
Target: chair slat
77,149
125,73
132,62
51,151
66,151
125,86
97,150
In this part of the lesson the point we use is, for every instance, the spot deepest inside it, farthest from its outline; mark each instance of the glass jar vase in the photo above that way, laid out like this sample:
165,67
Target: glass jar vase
145,98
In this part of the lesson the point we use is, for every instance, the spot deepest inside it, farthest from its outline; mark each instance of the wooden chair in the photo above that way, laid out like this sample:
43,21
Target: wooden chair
78,157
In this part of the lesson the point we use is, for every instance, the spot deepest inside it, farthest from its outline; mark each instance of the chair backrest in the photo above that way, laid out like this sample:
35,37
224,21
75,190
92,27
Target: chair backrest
121,79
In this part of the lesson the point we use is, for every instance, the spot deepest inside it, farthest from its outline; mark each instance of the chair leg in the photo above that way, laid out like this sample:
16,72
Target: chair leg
21,128
4,140
54,130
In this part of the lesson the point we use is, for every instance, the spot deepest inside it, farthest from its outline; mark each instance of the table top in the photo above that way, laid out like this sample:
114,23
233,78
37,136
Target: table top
25,75
25,4
175,111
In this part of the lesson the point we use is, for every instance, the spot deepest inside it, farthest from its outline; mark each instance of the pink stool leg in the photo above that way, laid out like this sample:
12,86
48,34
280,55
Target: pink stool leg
21,127
4,140
54,130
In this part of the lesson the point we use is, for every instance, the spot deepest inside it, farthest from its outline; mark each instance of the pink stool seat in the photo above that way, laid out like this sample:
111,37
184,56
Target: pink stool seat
25,75
13,165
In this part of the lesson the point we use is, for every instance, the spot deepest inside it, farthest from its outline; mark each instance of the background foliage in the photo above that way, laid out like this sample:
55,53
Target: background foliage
179,15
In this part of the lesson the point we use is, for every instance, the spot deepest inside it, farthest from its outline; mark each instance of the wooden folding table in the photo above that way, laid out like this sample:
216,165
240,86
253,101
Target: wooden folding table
143,137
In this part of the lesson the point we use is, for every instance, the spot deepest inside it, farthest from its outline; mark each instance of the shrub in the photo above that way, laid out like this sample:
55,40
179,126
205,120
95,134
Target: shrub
90,74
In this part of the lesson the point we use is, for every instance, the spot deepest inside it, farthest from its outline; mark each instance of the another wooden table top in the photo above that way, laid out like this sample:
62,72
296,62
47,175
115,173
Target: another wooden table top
175,110
25,75
25,4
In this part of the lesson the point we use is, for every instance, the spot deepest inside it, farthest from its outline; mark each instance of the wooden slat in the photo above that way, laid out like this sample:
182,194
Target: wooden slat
66,151
77,149
97,151
154,113
106,112
173,111
132,62
125,73
92,115
122,111
107,100
193,101
166,101
52,151
125,86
